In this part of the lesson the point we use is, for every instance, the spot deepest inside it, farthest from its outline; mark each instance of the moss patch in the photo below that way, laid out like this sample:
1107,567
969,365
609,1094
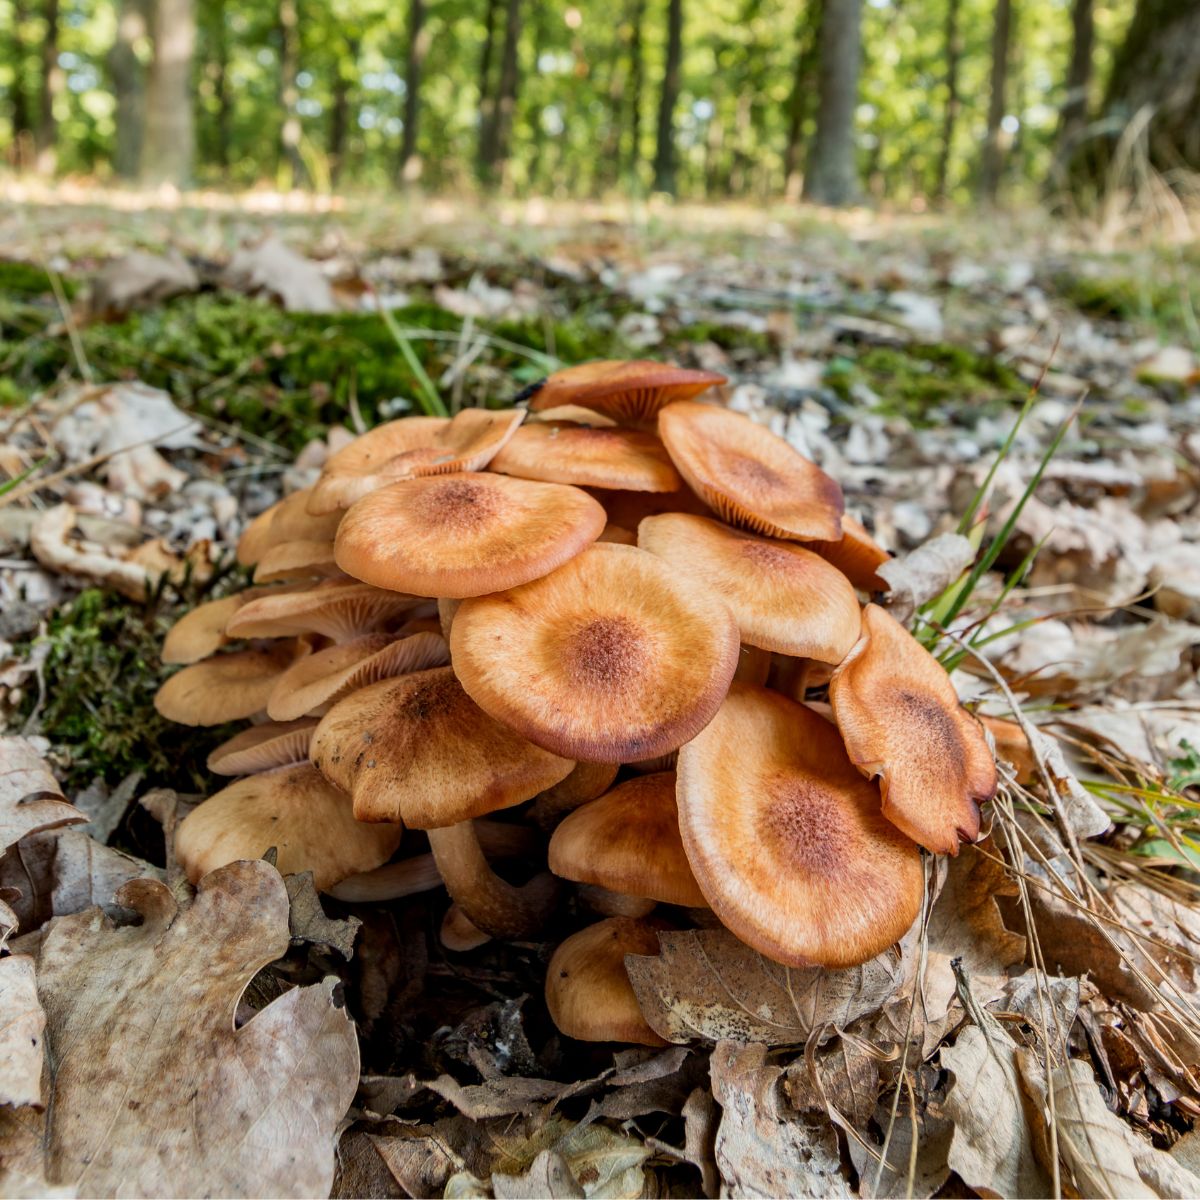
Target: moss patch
1165,299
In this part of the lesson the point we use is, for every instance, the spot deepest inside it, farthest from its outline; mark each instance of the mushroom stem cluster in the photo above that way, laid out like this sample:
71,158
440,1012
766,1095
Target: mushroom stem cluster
610,613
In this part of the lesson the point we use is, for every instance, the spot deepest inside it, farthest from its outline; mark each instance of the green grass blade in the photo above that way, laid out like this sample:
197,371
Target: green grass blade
427,394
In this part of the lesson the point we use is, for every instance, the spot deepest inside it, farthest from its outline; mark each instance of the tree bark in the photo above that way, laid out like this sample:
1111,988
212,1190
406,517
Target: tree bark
506,96
637,76
954,48
339,116
418,45
806,44
993,148
22,121
51,88
133,24
487,101
221,88
295,174
168,141
1073,120
664,151
832,175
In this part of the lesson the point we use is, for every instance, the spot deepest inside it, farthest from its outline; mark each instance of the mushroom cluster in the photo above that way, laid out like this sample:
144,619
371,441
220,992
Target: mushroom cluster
638,613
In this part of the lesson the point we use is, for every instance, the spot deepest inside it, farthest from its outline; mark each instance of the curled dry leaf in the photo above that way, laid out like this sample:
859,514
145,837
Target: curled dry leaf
307,921
30,798
924,573
48,541
274,268
138,279
21,1028
916,1152
143,1049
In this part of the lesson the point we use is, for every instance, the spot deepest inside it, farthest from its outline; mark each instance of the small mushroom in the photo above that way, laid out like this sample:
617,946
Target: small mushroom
588,991
296,810
784,598
458,934
750,477
900,717
340,609
464,535
1013,746
286,521
303,558
226,687
201,632
612,658
628,842
786,838
628,391
585,782
856,554
262,748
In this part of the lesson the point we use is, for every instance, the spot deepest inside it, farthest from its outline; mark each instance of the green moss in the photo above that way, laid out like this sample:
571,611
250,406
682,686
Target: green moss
731,338
1163,299
101,672
27,281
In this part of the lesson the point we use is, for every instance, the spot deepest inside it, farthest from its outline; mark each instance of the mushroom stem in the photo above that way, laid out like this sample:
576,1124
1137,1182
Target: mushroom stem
490,903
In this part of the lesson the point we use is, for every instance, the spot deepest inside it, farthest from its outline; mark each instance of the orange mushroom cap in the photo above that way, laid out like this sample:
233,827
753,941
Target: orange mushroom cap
786,839
628,841
201,632
328,675
226,687
300,559
464,535
294,809
410,448
783,597
336,608
418,749
288,520
627,391
901,719
262,748
750,477
857,555
561,452
612,658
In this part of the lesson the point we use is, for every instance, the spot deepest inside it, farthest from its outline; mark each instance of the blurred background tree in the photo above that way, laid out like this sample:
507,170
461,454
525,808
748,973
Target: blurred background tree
915,104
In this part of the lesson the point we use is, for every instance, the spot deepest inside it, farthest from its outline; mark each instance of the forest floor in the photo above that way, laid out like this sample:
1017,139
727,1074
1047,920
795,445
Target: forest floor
170,371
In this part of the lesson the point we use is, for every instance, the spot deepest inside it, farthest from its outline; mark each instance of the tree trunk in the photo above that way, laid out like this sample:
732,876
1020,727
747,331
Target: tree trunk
22,121
295,174
133,24
487,101
495,136
993,148
954,49
832,176
806,43
418,45
1073,120
51,88
221,88
168,141
339,115
664,151
637,76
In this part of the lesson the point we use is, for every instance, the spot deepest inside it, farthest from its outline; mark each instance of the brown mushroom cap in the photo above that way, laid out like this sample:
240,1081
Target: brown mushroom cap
417,749
288,520
227,687
464,535
561,452
628,509
783,597
588,991
410,448
901,720
458,934
786,838
201,632
575,413
612,658
328,675
1013,746
626,390
262,748
300,559
294,809
628,841
857,555
340,609
748,476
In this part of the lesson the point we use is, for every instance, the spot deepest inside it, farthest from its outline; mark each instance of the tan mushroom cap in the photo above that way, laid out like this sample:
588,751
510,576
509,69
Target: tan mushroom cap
201,632
300,559
335,608
612,658
294,809
628,509
463,535
263,748
588,991
458,934
784,598
227,687
628,841
328,675
417,749
286,521
786,838
410,448
561,452
750,477
857,555
900,717
1013,746
626,390
575,413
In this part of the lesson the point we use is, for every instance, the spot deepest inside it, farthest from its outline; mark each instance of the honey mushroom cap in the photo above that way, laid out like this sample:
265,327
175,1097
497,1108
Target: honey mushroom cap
418,749
263,747
299,559
784,598
748,475
412,447
786,838
340,609
201,632
612,658
459,934
454,536
902,722
226,687
628,841
287,520
586,782
588,991
627,390
563,452
330,674
856,554
294,809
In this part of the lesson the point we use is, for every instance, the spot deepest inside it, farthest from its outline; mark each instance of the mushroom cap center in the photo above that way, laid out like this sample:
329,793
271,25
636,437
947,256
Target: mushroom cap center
801,821
460,504
604,652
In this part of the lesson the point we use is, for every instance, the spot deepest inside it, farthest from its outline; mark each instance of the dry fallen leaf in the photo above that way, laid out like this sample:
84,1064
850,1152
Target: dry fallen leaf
21,1023
139,279
30,798
275,268
143,1051
924,573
